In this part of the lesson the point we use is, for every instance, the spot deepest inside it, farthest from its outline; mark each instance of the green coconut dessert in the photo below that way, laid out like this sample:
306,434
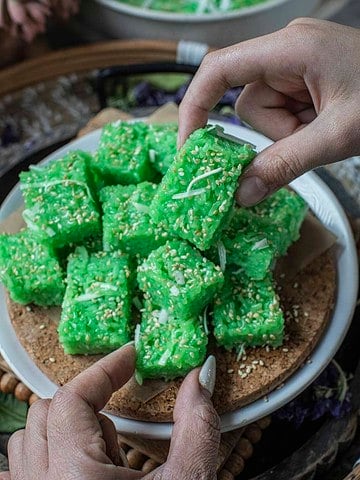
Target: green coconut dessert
257,236
247,313
126,221
196,195
162,142
30,270
123,154
96,311
60,201
168,346
178,278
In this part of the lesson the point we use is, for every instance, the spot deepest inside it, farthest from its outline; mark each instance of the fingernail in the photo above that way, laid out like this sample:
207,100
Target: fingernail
207,375
251,191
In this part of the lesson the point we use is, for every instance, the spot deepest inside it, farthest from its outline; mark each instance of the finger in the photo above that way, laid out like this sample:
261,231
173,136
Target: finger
273,113
72,414
35,439
256,59
15,455
196,434
327,139
5,476
113,473
96,384
110,438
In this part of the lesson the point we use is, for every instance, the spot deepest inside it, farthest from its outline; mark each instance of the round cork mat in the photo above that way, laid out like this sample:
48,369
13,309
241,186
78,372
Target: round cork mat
307,300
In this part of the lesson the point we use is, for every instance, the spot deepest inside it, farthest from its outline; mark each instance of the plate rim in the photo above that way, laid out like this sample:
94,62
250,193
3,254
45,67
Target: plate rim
276,398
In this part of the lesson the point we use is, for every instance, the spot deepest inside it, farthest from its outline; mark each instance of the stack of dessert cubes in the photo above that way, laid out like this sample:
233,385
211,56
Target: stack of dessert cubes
141,226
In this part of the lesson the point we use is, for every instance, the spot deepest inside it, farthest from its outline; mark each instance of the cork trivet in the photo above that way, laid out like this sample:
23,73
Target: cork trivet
312,290
307,299
36,329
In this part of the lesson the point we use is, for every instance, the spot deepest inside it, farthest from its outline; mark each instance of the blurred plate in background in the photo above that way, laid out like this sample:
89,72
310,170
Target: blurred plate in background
113,19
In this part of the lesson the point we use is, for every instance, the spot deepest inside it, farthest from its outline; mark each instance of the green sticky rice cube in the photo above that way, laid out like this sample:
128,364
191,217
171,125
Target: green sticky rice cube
249,246
258,235
279,218
96,311
285,210
59,200
126,221
178,278
195,196
250,250
92,244
167,346
30,270
162,140
123,154
247,313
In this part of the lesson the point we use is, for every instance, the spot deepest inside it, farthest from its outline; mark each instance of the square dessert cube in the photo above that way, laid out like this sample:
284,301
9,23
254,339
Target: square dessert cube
247,313
247,245
279,217
123,154
258,235
92,244
59,200
127,225
96,311
30,270
251,251
162,141
287,210
168,346
178,278
195,196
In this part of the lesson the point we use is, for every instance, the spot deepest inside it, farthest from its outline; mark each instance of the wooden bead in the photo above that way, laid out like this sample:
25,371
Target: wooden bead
264,422
22,392
149,465
124,446
244,448
235,464
225,475
253,433
8,383
33,398
135,459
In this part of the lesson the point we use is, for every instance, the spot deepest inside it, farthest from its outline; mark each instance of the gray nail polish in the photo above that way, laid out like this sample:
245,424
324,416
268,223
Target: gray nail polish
251,191
207,375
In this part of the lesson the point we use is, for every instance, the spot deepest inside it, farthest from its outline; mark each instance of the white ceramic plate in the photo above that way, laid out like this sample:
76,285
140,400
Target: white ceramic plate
325,206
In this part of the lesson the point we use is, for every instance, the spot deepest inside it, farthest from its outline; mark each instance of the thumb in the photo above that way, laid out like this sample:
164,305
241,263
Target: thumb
325,140
196,434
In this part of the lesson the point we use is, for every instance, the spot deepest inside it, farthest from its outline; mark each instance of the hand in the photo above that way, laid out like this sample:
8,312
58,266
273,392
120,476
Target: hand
302,90
66,437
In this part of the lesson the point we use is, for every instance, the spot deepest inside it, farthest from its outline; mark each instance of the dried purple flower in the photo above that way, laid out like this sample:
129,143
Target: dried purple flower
328,395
